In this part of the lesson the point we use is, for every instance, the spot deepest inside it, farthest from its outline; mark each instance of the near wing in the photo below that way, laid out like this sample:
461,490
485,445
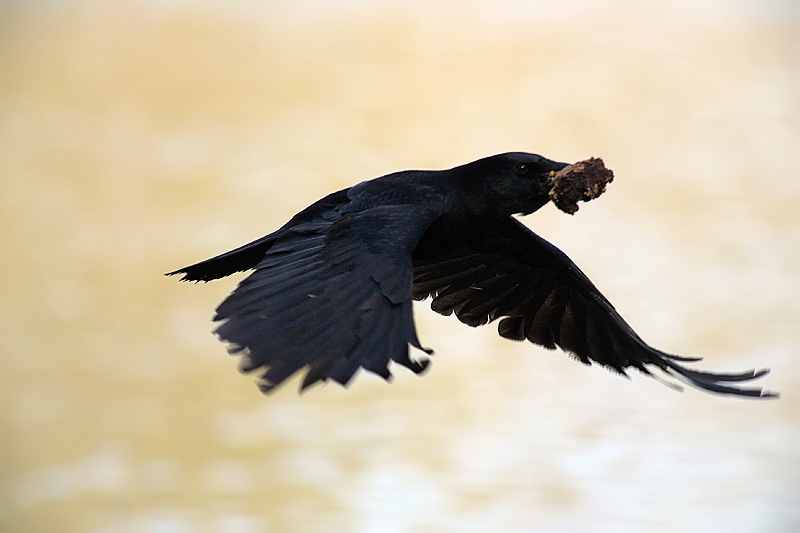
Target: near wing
333,293
506,271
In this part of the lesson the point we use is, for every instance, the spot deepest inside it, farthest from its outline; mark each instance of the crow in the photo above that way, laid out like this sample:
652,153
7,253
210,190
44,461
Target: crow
332,289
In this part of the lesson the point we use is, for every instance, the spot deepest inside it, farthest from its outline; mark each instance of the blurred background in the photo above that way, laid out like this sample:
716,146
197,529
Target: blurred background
138,137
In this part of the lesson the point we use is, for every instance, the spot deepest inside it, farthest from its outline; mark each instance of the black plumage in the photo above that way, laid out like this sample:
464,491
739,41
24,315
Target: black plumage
332,289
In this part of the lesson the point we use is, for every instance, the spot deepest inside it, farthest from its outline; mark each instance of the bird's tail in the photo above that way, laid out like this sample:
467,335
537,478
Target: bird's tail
243,258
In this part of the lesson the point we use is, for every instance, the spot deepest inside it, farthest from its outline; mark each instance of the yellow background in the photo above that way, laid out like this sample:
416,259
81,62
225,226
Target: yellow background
138,137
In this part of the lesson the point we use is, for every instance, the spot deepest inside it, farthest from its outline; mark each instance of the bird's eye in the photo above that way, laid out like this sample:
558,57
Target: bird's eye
522,169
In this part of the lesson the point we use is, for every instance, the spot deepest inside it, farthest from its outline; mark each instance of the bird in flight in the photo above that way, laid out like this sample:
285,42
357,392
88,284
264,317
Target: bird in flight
332,289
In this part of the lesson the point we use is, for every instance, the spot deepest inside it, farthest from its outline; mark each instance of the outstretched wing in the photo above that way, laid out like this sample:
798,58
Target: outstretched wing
505,271
333,293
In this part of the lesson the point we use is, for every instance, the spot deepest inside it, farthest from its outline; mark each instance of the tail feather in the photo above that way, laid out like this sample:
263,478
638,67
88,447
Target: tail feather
239,260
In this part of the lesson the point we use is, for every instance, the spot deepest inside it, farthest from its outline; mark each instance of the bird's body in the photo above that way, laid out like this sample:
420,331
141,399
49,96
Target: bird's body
332,289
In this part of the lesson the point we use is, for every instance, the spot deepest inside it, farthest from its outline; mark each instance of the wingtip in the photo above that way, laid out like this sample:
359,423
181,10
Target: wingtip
682,358
719,383
770,394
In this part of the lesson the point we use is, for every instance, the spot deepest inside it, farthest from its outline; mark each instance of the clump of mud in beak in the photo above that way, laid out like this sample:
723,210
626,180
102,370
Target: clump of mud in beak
581,181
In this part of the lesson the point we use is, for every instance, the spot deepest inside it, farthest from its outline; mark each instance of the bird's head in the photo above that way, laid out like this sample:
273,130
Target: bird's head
512,183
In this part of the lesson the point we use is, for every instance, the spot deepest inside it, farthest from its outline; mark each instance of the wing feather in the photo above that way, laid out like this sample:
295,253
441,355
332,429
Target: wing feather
502,270
332,294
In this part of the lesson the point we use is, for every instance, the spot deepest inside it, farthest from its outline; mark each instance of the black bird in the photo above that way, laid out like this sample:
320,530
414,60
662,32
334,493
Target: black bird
332,289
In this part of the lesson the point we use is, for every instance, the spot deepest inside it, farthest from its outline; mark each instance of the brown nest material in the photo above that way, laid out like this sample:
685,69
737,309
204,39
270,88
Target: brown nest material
581,181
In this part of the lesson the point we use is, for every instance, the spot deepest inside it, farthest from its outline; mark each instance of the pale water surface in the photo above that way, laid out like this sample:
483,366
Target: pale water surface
137,137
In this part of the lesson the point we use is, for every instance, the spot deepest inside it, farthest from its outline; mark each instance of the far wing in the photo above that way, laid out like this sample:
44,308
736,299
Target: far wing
332,294
505,271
